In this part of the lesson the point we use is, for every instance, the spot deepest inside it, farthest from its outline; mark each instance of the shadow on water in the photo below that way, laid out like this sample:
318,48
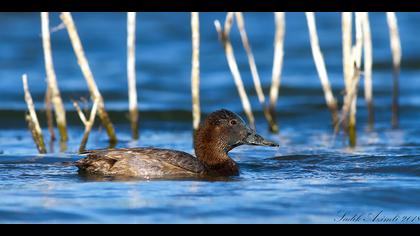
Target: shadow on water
101,178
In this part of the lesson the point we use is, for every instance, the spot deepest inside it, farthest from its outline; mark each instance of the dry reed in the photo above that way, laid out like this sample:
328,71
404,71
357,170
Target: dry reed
131,73
84,66
255,76
32,119
347,44
60,113
351,56
225,40
396,63
367,67
346,24
357,58
49,113
88,123
320,66
277,62
195,69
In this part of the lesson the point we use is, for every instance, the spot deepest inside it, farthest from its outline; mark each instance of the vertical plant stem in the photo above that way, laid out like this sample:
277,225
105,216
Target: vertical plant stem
357,55
84,66
346,23
195,69
349,102
347,44
32,119
49,113
225,40
60,113
277,63
255,76
88,123
131,73
367,49
396,64
320,66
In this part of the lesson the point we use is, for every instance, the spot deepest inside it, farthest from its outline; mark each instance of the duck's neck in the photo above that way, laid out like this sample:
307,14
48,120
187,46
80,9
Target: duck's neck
213,155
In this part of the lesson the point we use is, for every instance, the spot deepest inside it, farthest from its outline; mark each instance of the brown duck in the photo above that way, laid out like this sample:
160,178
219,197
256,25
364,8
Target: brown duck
220,132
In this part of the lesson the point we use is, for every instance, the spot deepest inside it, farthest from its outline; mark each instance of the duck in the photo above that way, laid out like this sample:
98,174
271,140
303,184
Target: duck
219,133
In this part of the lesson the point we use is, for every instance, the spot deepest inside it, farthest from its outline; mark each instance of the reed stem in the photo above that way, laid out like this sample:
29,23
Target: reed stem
320,66
60,113
225,40
195,69
88,123
348,105
357,58
346,23
32,119
84,66
347,46
367,49
396,64
255,76
277,63
49,113
131,73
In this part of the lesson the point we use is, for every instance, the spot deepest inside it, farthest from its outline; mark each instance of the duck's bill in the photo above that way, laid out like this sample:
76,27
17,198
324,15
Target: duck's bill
256,139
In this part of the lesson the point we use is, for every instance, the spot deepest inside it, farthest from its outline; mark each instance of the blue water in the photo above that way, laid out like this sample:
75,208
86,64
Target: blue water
312,178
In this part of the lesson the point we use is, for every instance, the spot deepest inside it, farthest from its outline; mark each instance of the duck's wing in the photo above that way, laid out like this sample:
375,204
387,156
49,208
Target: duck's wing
139,161
96,162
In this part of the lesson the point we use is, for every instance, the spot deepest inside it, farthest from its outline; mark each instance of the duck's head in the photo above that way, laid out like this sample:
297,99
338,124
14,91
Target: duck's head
227,130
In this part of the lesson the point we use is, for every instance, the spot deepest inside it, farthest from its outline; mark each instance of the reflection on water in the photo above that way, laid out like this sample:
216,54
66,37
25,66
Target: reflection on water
311,177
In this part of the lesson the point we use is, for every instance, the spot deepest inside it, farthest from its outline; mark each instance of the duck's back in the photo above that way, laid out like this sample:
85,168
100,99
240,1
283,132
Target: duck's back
140,162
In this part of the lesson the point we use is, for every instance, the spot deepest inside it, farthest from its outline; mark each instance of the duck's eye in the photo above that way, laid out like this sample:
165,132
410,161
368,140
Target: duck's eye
233,122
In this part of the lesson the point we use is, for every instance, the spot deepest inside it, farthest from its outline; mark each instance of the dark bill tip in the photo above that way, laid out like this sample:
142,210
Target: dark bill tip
255,139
